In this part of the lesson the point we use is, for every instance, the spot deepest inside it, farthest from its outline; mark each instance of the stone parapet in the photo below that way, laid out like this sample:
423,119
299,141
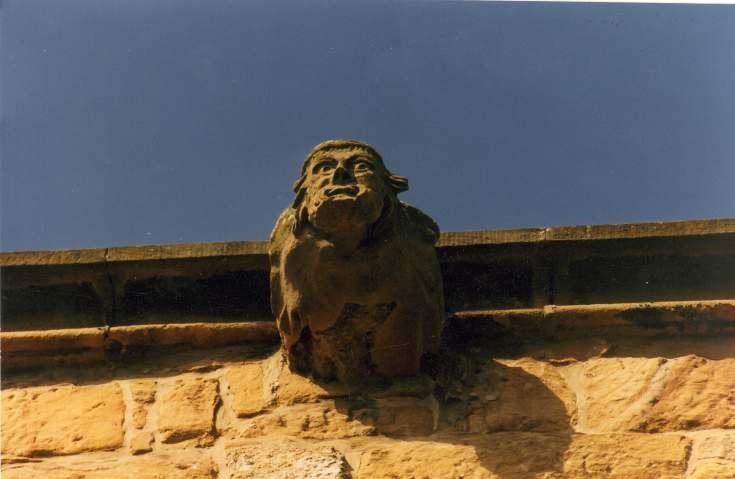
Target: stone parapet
482,270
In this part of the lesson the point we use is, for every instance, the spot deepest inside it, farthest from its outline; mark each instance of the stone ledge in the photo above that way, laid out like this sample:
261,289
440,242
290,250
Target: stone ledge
133,253
663,318
87,345
670,318
448,239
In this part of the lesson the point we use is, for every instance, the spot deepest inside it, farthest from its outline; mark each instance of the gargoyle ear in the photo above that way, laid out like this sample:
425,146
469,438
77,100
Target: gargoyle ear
399,184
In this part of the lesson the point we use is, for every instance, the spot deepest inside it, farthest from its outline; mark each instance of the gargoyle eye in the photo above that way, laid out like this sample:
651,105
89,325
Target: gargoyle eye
363,165
323,166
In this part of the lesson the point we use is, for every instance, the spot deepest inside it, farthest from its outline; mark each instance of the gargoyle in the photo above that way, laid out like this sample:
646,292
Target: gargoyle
355,283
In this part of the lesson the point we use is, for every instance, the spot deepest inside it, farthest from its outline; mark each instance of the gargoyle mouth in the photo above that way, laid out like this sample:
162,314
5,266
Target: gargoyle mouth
341,190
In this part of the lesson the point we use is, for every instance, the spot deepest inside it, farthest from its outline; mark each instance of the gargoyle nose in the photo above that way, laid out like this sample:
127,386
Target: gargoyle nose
341,176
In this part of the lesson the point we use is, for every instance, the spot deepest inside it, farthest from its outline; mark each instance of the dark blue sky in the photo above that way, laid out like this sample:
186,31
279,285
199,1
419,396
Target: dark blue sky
180,121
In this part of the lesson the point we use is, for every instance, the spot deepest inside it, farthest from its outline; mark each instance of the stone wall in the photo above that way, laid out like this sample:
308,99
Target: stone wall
594,407
640,386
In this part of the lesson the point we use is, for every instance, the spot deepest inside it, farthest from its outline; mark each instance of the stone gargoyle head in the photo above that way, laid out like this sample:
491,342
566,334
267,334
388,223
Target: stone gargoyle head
355,282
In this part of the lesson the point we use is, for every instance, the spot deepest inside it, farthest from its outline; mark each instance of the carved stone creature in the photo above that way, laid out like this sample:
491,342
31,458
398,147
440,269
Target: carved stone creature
355,282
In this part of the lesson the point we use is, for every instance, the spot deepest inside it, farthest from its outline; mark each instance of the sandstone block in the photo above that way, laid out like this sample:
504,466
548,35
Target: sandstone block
718,445
713,470
698,394
404,416
324,420
186,410
62,420
286,459
627,456
246,386
713,455
523,395
654,394
612,391
192,465
141,442
421,460
294,388
527,455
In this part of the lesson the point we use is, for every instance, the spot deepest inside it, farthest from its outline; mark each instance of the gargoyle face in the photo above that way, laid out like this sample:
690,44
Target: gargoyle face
345,188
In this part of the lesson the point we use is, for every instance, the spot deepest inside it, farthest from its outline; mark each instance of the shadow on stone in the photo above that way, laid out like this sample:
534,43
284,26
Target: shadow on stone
504,406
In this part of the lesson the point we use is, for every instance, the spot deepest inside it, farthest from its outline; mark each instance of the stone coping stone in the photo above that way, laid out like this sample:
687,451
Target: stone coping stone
447,240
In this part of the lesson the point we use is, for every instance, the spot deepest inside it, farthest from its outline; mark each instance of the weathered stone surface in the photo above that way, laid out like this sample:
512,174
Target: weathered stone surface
355,282
64,347
324,420
191,465
718,445
644,319
186,410
141,442
62,420
185,250
245,383
60,257
612,391
421,460
698,394
713,455
286,459
405,416
654,394
53,340
144,394
627,456
525,455
713,470
521,395
200,335
294,388
78,346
